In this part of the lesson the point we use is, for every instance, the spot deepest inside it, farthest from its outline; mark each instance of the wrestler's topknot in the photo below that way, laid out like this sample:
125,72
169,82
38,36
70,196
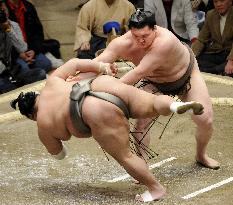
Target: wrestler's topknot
25,103
142,18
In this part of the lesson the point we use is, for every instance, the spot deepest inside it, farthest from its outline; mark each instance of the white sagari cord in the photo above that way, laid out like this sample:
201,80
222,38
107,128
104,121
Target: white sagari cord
61,155
175,105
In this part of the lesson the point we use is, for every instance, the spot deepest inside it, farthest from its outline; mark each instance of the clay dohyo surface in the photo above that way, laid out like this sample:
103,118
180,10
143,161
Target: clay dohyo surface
28,174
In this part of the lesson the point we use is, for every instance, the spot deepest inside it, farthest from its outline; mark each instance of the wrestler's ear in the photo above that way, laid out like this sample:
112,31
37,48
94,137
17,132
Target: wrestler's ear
32,117
13,103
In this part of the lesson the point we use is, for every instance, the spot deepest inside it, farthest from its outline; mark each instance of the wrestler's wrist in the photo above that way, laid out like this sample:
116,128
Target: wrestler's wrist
62,154
103,68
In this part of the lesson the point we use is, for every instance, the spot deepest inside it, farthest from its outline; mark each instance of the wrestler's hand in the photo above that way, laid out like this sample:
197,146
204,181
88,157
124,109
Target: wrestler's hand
72,78
80,76
113,69
229,67
61,155
108,68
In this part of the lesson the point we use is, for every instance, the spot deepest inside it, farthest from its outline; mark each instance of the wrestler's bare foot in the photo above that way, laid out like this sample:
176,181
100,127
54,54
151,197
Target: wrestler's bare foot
152,195
196,107
208,162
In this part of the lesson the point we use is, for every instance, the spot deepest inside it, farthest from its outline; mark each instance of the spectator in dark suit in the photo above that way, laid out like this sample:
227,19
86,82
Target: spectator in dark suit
213,48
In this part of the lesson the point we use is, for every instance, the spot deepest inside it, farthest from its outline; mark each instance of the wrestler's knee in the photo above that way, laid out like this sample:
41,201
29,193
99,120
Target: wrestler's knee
205,120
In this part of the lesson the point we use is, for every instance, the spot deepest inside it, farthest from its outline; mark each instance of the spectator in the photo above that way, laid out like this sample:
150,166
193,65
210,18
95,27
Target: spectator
213,48
81,3
11,75
175,15
89,36
24,12
200,8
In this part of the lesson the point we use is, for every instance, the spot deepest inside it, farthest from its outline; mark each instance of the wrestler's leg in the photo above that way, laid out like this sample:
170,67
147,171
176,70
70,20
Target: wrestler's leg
141,126
144,105
141,104
142,136
204,122
113,136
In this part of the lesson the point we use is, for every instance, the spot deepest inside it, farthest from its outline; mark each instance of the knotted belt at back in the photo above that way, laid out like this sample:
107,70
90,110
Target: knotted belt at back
79,91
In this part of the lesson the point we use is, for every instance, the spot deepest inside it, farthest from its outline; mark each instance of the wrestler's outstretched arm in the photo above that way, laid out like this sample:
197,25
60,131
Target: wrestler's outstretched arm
148,64
111,53
75,65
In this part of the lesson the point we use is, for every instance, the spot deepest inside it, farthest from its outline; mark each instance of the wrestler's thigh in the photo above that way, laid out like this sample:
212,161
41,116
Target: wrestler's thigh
113,139
142,102
199,92
109,126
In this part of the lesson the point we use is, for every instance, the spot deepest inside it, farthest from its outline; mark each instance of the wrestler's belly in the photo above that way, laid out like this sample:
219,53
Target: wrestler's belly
73,131
167,75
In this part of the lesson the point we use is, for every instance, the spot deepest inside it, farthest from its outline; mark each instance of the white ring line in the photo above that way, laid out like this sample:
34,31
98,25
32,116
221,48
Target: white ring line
215,79
14,94
222,101
15,115
208,188
125,176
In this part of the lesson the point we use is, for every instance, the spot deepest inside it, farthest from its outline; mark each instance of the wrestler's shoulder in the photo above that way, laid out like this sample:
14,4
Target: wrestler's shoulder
164,43
119,44
50,79
53,80
125,37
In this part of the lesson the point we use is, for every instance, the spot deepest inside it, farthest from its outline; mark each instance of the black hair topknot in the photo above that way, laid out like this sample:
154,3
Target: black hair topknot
25,103
142,18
